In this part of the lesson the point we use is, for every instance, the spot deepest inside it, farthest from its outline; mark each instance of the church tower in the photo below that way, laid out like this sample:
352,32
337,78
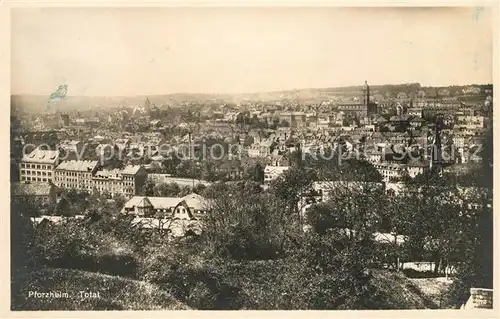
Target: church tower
147,105
366,94
436,161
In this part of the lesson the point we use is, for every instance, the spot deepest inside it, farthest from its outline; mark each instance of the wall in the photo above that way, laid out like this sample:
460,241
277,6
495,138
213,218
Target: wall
480,298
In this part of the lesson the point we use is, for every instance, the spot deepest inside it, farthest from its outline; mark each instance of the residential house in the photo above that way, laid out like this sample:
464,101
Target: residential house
273,172
188,207
160,207
127,181
390,171
416,122
262,149
414,111
324,189
197,205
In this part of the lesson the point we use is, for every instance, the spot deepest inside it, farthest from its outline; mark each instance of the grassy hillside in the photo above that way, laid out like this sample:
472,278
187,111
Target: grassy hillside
394,291
266,285
116,293
434,288
399,292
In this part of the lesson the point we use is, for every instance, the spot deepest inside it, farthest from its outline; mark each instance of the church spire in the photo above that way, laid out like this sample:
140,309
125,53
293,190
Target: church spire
366,92
436,151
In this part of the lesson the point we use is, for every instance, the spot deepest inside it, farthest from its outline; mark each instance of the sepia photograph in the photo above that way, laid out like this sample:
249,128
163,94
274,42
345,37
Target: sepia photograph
251,158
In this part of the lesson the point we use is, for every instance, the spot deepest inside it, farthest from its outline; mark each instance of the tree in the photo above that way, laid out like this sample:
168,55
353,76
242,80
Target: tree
284,123
476,266
431,213
120,201
244,223
170,164
438,218
199,189
148,189
184,190
351,207
101,210
340,248
339,165
255,173
77,200
289,189
339,269
29,206
396,220
22,235
166,190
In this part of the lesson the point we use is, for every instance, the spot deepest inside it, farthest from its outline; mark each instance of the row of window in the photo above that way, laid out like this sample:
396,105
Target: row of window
65,173
268,176
127,191
36,166
35,173
89,180
35,179
388,173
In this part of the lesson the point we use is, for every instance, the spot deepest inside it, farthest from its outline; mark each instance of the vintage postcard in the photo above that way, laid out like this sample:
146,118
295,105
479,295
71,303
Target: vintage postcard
251,158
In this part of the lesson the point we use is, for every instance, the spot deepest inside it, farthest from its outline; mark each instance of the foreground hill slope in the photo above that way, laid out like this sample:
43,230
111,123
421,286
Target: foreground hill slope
116,293
394,291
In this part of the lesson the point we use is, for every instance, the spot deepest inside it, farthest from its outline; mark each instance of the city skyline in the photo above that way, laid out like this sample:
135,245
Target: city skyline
235,50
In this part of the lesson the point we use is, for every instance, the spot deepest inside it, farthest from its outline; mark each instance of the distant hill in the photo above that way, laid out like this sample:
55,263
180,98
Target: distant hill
38,103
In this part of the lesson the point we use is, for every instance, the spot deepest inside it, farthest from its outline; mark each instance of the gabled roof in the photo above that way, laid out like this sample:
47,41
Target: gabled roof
195,201
144,203
131,169
155,202
30,189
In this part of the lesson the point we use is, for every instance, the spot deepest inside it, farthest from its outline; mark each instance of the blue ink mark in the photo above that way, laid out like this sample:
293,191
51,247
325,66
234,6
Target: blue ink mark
59,94
477,12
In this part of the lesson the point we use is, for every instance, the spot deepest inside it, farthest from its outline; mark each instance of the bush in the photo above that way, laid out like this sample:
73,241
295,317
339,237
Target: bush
78,245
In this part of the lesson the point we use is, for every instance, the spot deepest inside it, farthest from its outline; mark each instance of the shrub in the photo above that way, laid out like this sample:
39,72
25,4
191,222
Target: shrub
78,245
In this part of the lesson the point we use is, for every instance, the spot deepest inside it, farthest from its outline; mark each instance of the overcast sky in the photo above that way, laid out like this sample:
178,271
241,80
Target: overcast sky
212,50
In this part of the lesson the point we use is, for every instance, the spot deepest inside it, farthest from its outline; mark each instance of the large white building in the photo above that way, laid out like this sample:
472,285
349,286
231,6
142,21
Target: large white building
38,166
86,175
323,189
392,171
76,175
